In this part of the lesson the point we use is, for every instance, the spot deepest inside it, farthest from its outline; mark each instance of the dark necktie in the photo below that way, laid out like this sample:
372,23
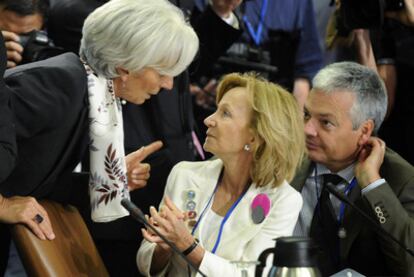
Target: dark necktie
324,228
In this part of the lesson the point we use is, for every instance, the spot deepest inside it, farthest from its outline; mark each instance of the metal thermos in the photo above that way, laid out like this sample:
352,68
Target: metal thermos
293,257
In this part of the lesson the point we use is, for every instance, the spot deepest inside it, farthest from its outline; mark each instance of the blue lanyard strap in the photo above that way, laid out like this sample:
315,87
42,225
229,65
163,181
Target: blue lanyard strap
226,217
257,35
229,212
346,192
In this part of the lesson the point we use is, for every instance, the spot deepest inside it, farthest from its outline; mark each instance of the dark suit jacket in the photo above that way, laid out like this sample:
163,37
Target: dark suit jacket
363,249
49,112
8,147
49,103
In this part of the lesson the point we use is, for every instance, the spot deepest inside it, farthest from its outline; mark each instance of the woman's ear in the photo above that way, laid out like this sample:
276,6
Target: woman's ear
254,138
366,129
123,73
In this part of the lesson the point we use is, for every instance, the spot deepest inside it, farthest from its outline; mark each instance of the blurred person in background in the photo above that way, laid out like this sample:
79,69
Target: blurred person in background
22,23
279,40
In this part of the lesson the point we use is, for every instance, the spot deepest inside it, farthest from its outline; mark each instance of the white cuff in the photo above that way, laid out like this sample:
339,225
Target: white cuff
373,185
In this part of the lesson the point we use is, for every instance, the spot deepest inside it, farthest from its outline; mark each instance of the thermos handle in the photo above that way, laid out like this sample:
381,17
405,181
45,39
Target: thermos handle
262,261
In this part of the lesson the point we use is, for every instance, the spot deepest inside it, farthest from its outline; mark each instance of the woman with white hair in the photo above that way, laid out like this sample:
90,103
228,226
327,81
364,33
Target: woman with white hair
130,50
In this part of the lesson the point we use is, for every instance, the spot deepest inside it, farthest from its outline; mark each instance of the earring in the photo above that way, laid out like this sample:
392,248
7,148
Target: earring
246,147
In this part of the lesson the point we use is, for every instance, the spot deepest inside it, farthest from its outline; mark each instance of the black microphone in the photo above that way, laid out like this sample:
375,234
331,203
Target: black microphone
139,216
332,189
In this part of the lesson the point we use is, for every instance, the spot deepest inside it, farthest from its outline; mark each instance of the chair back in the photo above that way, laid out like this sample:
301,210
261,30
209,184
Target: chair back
71,253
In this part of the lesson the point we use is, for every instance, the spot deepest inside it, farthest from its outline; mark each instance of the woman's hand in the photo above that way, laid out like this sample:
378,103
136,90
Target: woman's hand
26,210
138,173
171,223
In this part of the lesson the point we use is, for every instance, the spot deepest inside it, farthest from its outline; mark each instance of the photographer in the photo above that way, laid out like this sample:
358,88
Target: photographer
394,49
389,26
20,24
281,34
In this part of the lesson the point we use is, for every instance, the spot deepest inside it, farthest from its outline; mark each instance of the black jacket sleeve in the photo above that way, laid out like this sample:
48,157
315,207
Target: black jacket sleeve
8,148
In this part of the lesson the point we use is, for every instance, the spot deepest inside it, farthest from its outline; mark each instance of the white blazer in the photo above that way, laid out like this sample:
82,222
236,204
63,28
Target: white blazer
241,238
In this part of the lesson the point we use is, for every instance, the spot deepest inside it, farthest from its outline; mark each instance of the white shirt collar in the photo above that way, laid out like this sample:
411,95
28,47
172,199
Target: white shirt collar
346,173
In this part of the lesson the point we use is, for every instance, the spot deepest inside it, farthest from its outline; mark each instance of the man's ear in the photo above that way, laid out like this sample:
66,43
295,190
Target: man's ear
366,129
123,73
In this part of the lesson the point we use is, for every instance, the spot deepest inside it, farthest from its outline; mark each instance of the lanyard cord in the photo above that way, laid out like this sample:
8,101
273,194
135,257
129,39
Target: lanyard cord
226,217
257,35
347,190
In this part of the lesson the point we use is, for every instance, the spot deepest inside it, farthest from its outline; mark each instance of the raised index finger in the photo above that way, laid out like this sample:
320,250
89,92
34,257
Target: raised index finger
151,148
147,150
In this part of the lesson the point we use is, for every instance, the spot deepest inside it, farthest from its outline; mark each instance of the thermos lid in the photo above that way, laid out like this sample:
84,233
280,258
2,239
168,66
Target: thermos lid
295,252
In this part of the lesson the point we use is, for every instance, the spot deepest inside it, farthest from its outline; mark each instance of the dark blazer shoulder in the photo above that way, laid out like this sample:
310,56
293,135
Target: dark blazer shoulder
65,65
44,92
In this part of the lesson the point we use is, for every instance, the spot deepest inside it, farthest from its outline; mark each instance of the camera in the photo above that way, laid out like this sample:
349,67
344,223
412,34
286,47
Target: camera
37,46
365,14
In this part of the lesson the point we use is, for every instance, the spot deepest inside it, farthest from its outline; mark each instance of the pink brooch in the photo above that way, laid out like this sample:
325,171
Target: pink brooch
260,208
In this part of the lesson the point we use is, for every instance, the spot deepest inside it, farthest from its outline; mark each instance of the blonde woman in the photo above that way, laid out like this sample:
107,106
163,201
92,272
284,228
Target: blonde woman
231,208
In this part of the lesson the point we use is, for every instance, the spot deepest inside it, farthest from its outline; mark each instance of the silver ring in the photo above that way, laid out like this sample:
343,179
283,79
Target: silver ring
38,219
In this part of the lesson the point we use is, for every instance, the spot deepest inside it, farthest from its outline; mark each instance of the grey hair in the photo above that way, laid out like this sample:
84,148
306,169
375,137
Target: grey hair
368,88
137,34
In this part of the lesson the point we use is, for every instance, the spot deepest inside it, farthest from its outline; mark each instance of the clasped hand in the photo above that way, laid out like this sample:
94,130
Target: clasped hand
170,222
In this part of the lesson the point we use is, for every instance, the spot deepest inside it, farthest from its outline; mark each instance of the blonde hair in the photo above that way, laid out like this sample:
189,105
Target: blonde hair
277,124
135,34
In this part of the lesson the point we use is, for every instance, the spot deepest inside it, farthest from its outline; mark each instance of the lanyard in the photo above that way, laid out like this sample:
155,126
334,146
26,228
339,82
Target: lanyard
347,190
257,35
226,217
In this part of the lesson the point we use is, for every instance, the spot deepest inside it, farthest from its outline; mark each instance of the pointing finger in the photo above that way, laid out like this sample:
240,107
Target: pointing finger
150,148
145,151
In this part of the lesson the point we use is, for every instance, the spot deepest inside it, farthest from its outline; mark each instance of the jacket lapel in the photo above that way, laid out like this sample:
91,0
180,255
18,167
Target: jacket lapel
203,184
302,174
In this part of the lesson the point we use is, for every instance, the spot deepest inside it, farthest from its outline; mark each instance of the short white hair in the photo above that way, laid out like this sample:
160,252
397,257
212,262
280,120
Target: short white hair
369,90
137,34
